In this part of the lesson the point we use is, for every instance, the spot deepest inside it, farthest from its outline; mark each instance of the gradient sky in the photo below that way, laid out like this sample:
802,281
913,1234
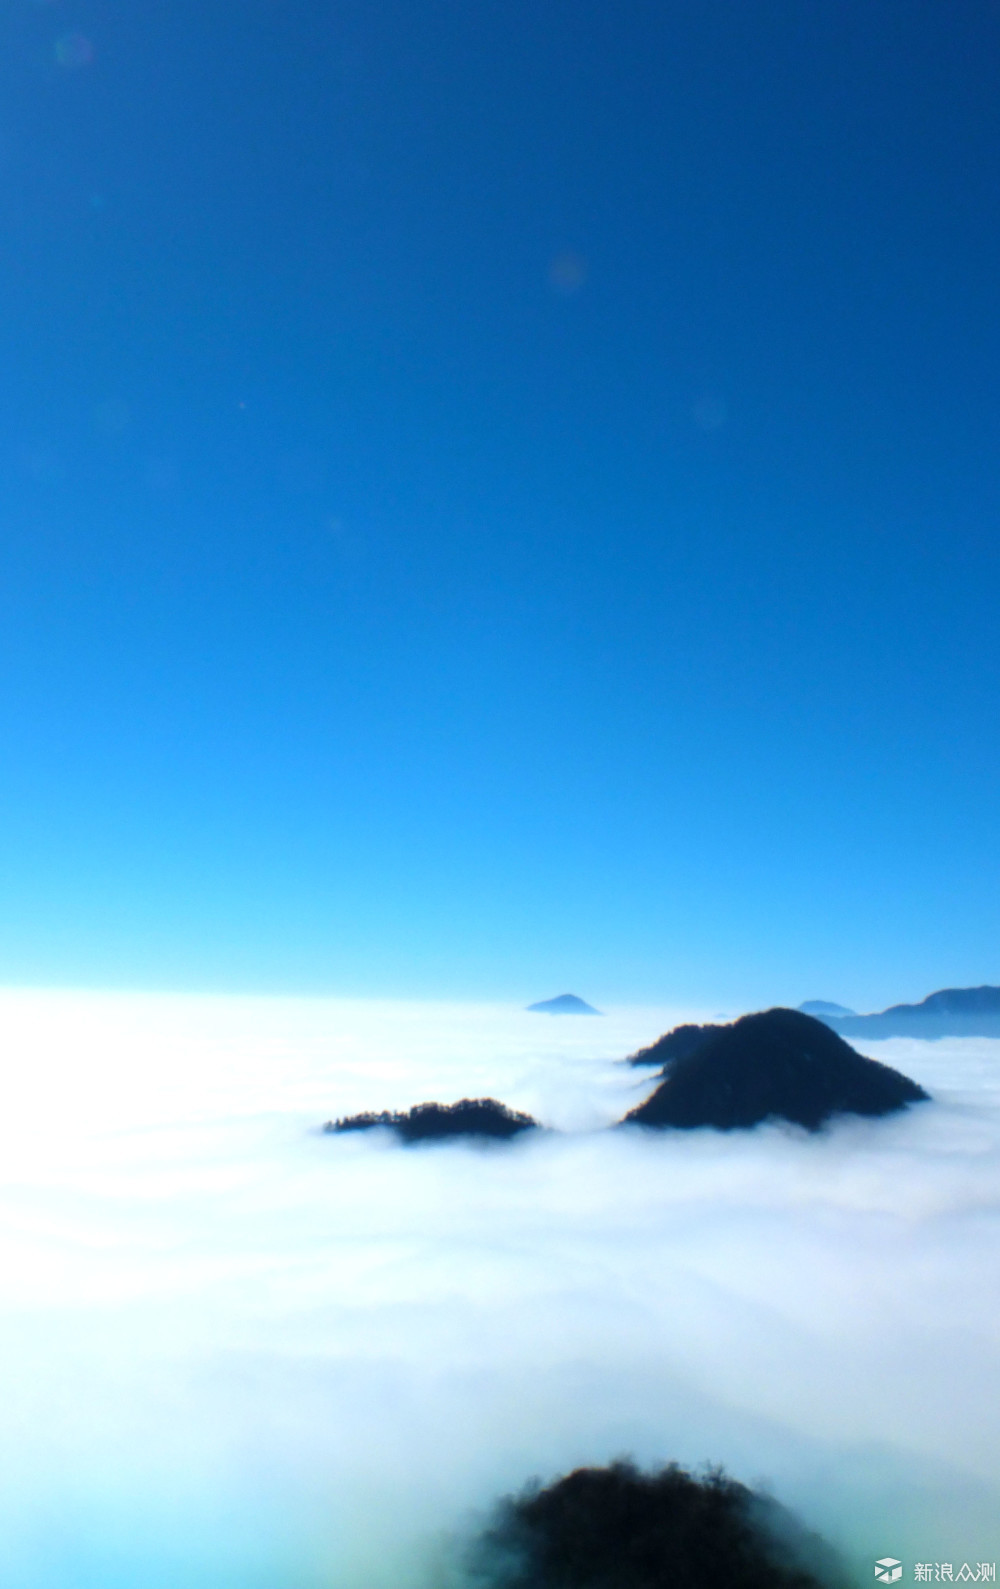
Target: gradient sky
501,498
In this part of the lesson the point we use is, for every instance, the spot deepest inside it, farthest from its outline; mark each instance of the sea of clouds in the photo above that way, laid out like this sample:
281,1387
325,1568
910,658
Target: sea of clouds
240,1354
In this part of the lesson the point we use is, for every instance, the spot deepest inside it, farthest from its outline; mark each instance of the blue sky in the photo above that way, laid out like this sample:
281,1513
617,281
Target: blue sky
500,498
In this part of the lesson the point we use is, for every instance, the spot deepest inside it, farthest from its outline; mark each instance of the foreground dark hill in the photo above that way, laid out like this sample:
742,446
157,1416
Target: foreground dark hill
427,1122
563,1004
618,1528
778,1064
953,1012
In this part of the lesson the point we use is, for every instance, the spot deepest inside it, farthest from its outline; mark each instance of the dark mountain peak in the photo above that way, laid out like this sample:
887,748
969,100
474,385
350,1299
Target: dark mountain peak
564,1004
777,1064
470,1117
601,1528
676,1044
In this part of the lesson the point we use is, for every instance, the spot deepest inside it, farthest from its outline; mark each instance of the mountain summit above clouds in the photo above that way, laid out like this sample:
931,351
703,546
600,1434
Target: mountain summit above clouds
601,1528
564,1004
953,1012
778,1064
432,1122
677,1044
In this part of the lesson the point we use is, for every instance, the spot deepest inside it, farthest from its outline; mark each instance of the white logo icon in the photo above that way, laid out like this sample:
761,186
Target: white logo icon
888,1570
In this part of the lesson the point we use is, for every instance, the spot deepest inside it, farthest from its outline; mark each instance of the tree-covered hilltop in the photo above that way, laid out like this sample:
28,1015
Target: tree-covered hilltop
620,1528
676,1044
427,1122
778,1064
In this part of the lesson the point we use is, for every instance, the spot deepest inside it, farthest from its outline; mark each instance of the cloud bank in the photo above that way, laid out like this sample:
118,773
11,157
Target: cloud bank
238,1352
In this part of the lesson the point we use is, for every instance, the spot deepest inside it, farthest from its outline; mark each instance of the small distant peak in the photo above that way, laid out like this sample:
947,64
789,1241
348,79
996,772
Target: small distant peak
823,1007
565,1004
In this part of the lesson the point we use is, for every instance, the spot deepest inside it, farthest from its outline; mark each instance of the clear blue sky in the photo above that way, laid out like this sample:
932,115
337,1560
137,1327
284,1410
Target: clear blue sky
501,497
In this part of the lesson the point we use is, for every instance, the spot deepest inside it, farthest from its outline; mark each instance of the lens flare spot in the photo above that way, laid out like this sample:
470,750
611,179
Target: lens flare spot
710,412
74,51
567,272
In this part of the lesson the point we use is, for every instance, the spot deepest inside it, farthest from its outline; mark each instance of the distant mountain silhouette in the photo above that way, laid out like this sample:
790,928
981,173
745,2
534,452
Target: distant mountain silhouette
565,1004
777,1064
470,1117
683,1040
954,1012
619,1528
822,1007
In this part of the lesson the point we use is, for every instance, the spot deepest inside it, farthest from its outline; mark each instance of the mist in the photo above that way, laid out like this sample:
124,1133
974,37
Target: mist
237,1352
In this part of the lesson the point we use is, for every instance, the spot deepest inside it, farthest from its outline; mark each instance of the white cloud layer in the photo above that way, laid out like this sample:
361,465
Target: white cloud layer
235,1352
